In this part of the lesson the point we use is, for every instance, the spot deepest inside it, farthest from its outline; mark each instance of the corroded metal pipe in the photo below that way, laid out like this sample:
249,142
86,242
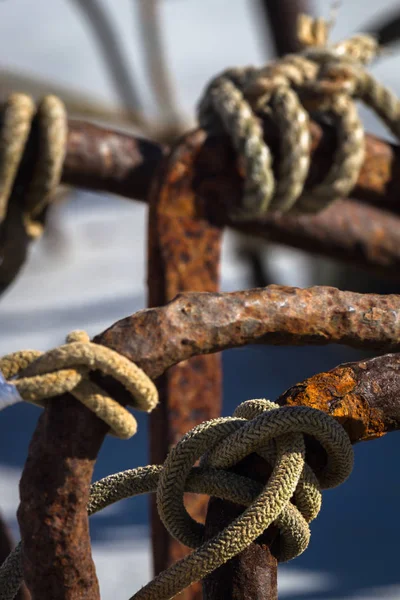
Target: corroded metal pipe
55,483
184,254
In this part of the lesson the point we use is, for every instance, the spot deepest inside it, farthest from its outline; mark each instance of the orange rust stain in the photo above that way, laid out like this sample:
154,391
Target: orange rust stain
335,393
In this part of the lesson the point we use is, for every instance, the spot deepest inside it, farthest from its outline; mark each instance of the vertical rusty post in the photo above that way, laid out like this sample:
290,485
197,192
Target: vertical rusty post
252,574
183,255
280,21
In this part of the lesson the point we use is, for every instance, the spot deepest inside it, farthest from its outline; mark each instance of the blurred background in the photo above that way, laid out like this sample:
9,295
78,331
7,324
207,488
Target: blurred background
141,66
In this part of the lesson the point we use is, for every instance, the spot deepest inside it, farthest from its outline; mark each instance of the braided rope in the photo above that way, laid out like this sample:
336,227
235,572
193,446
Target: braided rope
18,113
323,79
257,426
39,376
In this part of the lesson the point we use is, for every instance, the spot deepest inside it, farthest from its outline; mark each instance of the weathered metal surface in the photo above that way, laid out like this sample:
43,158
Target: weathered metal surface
280,21
347,230
364,235
252,574
101,159
184,254
57,475
54,491
199,323
362,396
106,160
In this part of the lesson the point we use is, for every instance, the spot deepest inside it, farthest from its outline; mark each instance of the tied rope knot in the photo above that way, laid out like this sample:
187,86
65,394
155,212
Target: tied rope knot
27,185
324,80
18,114
291,498
66,369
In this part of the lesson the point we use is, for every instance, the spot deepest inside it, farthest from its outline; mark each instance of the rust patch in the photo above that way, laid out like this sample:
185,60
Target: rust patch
184,255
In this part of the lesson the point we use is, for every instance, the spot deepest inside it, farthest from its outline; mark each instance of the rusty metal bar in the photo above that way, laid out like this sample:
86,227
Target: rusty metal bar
184,255
352,394
280,20
55,483
111,161
364,235
202,323
106,160
252,574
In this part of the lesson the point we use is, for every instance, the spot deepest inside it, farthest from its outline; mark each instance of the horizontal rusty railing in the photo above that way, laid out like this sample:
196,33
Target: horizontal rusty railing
52,515
189,189
104,160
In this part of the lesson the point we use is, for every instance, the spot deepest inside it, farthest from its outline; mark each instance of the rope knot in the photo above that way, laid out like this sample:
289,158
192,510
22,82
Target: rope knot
23,206
290,499
66,369
323,79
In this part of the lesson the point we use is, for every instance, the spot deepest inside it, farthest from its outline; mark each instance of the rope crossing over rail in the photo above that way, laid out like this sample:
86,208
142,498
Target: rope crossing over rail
325,80
257,426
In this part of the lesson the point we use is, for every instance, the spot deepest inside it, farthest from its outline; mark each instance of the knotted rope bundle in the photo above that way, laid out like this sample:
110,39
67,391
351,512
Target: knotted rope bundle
324,80
26,188
18,113
257,426
39,376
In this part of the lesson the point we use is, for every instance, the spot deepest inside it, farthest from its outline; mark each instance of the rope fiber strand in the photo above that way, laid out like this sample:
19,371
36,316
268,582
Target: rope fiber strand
323,79
276,434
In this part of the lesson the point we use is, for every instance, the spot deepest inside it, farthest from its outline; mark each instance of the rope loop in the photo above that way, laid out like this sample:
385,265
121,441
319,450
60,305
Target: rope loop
66,369
324,80
277,435
290,499
18,113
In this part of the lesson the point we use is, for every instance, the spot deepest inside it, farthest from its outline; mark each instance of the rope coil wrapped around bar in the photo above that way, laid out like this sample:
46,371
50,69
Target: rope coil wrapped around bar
322,80
23,206
276,433
18,113
39,376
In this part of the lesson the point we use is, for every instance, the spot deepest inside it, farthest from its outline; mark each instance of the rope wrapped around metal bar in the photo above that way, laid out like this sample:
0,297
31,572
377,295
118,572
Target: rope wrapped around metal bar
38,376
322,80
291,498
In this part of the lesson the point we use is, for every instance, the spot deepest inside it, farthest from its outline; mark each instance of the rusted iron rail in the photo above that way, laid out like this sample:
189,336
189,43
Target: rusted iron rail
184,255
54,487
111,161
348,393
100,159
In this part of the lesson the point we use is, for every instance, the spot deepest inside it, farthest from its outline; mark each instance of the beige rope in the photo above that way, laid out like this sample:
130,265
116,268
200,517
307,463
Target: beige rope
39,376
18,113
257,426
323,79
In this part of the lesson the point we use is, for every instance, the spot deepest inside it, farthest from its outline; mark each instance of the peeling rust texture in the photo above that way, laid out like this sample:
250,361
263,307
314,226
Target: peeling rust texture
54,491
110,161
252,574
363,396
55,483
184,254
102,159
202,323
